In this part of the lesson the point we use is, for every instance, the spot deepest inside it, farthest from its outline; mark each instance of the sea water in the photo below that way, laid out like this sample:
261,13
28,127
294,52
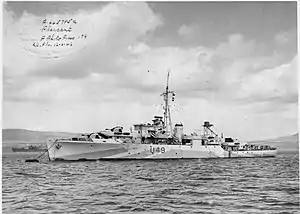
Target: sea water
250,185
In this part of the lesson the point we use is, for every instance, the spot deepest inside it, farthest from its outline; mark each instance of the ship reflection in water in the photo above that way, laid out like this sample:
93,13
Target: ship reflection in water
156,140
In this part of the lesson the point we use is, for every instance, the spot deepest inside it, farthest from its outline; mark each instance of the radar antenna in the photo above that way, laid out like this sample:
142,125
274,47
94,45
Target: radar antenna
207,129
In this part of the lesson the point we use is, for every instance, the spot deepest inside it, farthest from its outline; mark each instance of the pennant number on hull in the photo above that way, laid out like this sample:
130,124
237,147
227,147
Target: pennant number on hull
157,149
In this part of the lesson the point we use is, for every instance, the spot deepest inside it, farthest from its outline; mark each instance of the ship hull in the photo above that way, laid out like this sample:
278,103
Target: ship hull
76,151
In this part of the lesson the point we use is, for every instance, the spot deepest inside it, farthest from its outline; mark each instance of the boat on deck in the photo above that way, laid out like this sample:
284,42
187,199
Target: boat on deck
154,140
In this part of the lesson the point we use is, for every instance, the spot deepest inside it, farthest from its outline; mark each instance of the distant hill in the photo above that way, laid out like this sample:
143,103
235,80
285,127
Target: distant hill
28,136
288,143
14,137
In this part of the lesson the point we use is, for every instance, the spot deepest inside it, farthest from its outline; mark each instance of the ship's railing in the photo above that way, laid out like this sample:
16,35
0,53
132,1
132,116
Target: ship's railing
246,148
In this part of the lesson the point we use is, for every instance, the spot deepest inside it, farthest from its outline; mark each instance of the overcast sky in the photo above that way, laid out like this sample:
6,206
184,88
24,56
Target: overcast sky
234,64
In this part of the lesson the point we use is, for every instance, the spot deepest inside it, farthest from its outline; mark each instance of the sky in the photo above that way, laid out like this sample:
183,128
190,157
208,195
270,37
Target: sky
233,64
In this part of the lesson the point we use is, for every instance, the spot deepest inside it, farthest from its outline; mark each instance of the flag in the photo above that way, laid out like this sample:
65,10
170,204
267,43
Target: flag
173,96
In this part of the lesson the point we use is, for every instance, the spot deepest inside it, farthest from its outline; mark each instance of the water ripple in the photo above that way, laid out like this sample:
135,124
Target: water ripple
181,186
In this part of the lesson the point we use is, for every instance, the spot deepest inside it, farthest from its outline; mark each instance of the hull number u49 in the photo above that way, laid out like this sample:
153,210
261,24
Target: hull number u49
157,149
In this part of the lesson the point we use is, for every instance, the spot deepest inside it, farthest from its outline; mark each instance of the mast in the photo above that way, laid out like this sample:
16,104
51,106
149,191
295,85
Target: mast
167,113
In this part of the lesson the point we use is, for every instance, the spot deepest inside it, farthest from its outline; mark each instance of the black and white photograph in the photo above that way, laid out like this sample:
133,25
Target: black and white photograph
150,107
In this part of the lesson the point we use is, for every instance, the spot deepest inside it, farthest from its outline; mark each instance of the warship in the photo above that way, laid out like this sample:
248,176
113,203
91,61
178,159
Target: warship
157,139
30,148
